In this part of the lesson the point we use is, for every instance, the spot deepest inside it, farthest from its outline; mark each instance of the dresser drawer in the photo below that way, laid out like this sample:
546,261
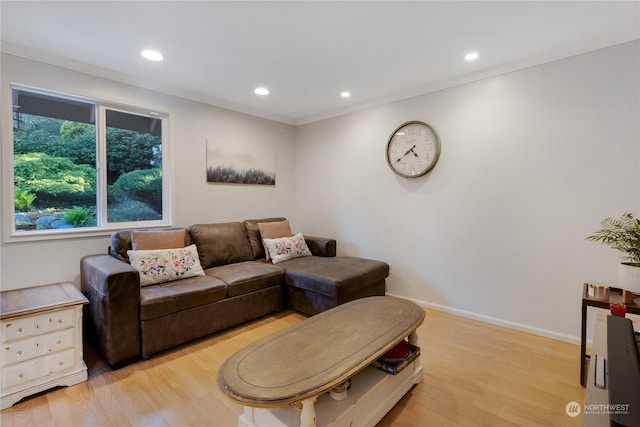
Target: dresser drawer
18,328
28,348
59,362
38,370
20,350
55,320
59,340
20,374
27,326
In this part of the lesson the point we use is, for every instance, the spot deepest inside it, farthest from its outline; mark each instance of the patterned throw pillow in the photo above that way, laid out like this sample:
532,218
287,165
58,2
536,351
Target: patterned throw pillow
286,248
164,265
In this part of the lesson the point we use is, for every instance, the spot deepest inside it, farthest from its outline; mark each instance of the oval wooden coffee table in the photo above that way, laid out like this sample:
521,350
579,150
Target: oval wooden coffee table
300,363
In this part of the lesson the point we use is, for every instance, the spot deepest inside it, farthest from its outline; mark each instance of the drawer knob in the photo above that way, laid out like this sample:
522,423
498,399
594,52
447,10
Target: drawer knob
20,376
19,353
61,363
60,321
19,330
59,343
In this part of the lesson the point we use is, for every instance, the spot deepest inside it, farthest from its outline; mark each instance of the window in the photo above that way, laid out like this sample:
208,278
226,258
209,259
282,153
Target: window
80,165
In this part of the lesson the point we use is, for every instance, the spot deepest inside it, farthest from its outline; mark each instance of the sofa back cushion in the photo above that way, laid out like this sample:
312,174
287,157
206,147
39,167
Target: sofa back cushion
253,235
121,241
221,244
143,240
273,230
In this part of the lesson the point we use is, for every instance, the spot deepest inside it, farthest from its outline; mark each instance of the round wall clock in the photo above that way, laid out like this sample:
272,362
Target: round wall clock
413,149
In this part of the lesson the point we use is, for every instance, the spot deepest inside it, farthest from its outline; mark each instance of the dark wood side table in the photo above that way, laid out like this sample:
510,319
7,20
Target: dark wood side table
598,296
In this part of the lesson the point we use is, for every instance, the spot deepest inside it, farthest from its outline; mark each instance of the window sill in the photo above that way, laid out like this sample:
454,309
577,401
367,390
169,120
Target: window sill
73,233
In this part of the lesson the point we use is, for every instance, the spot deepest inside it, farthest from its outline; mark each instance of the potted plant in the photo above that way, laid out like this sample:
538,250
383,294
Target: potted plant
623,234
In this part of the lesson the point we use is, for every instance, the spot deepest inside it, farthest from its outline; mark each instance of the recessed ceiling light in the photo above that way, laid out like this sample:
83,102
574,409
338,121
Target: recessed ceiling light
345,94
261,91
152,55
471,56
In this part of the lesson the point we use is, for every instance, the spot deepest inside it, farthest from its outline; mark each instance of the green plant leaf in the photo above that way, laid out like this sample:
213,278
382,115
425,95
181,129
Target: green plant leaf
622,234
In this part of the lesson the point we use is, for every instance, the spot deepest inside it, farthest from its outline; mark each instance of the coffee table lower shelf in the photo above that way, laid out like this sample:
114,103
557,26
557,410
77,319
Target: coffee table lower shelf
372,394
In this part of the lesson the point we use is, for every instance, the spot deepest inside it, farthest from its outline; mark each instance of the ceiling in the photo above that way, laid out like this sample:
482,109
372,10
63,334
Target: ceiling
307,53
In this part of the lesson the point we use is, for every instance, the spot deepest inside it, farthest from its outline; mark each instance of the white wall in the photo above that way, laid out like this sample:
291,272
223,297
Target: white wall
531,162
34,263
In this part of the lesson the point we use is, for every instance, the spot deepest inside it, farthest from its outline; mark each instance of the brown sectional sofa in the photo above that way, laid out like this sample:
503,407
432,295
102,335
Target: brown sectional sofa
130,320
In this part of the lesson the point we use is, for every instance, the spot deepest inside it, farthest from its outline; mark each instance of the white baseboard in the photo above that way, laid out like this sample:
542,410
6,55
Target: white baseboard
494,321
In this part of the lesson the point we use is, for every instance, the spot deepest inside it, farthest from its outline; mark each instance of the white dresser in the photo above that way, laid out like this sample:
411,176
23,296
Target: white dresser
41,334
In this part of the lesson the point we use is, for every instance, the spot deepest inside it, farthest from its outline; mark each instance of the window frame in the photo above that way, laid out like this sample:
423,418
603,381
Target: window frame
103,227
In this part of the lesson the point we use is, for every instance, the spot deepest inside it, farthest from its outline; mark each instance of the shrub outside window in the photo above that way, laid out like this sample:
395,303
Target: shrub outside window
80,165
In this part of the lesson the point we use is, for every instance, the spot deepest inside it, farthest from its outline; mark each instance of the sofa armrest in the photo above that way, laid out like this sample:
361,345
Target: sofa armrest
113,290
321,246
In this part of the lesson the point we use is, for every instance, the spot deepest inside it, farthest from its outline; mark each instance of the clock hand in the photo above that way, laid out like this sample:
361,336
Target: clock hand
408,151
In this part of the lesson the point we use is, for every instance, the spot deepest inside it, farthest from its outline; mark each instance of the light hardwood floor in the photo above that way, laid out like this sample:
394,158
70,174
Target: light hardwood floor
475,375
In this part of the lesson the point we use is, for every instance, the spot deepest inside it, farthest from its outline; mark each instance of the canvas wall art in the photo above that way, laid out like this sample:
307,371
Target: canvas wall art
234,163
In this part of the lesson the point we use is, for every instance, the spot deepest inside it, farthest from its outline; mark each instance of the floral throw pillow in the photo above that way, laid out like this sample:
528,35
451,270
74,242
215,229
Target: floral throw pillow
286,248
164,265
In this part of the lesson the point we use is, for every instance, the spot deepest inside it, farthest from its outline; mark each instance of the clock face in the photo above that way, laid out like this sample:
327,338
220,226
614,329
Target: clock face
413,149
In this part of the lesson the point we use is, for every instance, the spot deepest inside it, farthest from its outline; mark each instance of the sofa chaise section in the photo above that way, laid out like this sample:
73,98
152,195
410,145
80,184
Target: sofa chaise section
316,284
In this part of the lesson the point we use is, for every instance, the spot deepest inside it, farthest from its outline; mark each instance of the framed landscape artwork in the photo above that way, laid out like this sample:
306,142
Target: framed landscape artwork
233,163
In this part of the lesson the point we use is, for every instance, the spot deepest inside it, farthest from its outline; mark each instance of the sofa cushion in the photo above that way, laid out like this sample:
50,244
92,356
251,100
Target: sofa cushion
221,244
171,297
253,235
333,276
121,242
164,239
244,277
273,230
